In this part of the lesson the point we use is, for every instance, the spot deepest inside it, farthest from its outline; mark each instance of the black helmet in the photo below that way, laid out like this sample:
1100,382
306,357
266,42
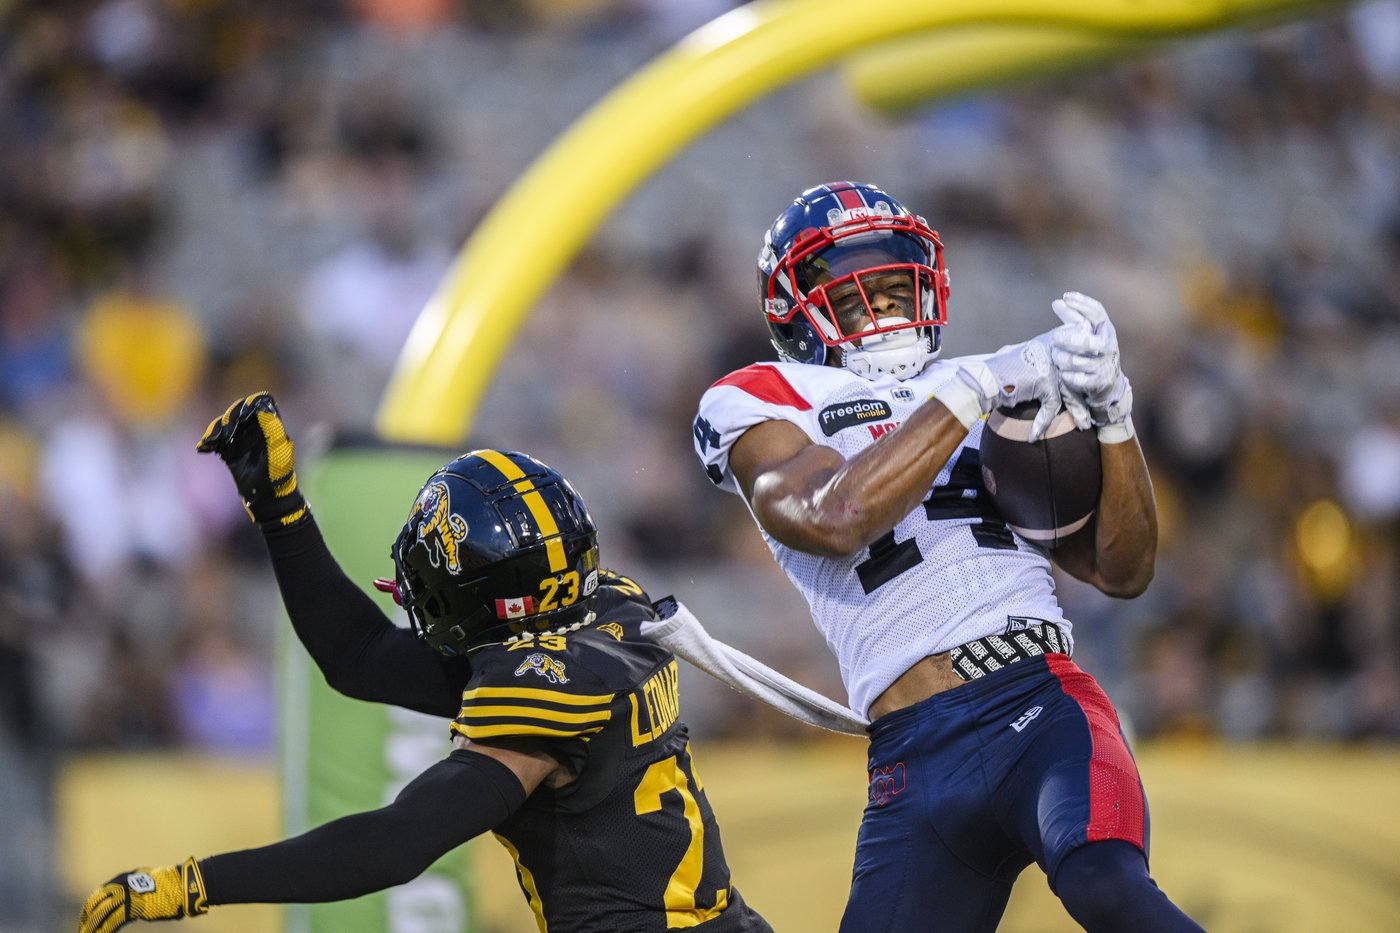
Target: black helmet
497,545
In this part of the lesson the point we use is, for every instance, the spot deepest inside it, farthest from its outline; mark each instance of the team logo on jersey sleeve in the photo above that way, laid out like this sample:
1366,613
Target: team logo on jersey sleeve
612,628
844,415
551,669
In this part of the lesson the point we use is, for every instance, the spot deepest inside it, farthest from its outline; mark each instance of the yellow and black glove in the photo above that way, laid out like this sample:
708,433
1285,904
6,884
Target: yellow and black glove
253,443
171,892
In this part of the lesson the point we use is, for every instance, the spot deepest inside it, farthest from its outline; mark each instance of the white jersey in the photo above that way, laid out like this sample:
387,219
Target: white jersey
950,572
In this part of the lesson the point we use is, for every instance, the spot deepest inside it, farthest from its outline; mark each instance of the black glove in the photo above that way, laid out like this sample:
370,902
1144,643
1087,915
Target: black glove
167,893
253,443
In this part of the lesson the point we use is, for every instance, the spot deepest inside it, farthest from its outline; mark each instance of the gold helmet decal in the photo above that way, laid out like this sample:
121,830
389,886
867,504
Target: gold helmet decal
439,527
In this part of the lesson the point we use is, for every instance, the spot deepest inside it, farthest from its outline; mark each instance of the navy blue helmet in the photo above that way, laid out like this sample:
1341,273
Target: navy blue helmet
847,268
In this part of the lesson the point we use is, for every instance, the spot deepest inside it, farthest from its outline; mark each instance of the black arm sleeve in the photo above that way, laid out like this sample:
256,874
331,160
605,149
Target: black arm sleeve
458,798
361,653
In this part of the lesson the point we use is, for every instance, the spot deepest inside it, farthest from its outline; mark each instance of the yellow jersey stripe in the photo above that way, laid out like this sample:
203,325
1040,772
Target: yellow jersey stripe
554,548
534,713
508,729
527,883
534,693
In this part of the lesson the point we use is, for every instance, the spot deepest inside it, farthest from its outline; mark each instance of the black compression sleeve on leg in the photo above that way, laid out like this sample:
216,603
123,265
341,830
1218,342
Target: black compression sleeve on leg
458,798
1106,888
361,653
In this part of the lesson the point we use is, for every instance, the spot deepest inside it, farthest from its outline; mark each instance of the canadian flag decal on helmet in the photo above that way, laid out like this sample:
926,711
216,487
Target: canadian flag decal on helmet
515,608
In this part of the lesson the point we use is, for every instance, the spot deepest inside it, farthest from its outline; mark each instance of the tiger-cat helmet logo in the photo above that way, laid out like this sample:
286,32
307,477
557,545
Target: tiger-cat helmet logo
439,527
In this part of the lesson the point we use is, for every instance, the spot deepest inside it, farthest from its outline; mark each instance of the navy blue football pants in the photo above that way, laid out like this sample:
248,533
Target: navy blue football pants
970,786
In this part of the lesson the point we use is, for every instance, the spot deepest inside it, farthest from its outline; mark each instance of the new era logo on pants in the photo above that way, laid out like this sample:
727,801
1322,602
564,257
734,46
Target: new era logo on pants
1026,717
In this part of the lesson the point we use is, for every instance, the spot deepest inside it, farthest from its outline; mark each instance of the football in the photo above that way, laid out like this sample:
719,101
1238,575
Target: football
1045,491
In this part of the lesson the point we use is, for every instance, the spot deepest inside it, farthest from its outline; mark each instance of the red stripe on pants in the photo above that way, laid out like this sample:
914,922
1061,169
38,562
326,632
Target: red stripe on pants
1116,809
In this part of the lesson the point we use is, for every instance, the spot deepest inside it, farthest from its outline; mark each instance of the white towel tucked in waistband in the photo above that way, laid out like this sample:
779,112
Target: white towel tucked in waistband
679,632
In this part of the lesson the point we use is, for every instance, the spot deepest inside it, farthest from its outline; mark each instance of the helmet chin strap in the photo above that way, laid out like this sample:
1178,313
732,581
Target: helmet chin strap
586,621
902,354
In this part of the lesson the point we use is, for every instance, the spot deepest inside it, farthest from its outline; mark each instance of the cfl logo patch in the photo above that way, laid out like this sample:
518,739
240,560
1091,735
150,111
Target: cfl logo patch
1026,717
140,882
887,783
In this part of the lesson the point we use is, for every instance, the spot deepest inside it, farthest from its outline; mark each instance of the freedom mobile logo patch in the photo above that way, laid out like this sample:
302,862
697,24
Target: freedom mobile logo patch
838,417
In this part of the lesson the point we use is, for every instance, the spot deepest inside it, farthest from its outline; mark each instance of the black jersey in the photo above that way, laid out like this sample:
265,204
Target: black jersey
631,845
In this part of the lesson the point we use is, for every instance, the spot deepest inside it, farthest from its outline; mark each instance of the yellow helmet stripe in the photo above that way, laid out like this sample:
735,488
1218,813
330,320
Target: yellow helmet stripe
501,462
553,545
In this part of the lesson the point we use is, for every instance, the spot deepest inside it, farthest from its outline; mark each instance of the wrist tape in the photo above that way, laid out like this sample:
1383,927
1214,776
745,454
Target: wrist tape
968,395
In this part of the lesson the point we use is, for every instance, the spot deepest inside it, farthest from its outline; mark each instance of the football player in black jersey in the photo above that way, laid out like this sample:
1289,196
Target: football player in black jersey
567,739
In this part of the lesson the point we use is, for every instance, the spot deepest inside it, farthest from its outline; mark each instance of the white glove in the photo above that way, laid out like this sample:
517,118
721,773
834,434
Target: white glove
1021,372
1085,352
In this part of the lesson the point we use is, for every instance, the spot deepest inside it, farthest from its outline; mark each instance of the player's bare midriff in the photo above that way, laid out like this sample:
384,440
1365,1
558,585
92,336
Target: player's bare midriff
933,674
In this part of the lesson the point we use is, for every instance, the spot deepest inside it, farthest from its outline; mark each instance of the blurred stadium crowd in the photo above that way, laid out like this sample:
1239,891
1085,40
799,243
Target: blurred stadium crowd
201,198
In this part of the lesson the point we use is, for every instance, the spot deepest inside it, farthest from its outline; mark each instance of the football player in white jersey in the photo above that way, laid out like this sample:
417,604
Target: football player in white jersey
857,454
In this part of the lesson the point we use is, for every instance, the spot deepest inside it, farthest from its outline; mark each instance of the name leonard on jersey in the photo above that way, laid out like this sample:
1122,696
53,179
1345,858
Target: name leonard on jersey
659,705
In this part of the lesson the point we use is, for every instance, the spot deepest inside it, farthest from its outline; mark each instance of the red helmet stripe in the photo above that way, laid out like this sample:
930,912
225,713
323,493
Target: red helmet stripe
850,198
766,384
